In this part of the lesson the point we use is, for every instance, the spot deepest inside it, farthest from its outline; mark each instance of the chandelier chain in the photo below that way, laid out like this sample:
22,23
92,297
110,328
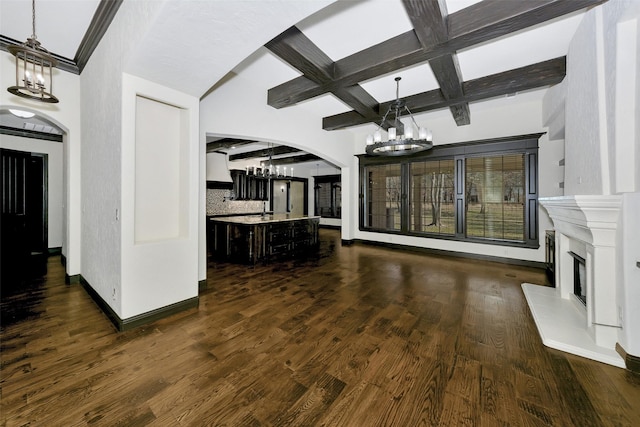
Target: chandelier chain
33,19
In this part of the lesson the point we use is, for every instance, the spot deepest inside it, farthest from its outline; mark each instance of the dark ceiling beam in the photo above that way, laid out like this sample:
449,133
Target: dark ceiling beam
429,20
475,24
534,76
226,143
296,159
296,49
301,53
265,152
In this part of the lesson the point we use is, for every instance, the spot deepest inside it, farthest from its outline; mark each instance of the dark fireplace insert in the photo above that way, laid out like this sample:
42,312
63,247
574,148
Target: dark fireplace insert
579,277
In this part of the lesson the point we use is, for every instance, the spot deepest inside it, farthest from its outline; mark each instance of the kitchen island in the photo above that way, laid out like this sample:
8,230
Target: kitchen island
261,238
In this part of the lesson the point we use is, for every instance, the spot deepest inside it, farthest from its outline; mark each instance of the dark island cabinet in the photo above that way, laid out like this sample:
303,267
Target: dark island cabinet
259,238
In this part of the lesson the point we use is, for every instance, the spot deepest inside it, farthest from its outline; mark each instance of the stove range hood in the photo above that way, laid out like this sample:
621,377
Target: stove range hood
218,176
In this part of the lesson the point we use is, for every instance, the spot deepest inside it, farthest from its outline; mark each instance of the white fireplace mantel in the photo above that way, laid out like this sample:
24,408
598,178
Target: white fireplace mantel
591,219
586,224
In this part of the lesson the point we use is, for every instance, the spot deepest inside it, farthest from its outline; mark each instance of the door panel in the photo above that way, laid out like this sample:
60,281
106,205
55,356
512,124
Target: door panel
23,235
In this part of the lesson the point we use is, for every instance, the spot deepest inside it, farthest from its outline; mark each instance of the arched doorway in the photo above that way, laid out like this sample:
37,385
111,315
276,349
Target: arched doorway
32,189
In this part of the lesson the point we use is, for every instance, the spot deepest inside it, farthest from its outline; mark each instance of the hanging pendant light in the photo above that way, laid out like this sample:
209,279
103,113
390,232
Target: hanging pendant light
399,144
34,68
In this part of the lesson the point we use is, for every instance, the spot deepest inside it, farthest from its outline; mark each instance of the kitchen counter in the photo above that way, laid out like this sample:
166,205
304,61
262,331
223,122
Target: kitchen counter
261,238
262,219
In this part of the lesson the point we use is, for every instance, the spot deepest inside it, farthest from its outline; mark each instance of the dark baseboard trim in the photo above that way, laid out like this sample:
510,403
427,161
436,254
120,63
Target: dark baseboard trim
332,227
202,285
631,362
431,251
63,260
70,280
157,314
106,309
55,251
347,242
122,325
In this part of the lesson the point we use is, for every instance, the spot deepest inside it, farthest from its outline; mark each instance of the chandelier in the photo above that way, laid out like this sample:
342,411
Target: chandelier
267,169
401,139
34,67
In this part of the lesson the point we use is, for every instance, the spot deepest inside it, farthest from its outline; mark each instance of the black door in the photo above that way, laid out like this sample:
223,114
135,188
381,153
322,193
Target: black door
23,229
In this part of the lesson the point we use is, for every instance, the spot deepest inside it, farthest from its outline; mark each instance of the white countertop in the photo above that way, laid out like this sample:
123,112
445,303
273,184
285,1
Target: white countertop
260,219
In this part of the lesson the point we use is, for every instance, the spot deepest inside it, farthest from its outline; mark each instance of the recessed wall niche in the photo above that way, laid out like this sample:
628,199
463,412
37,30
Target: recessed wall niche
161,165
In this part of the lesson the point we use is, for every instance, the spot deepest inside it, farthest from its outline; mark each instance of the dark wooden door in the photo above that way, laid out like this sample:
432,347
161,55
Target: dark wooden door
23,228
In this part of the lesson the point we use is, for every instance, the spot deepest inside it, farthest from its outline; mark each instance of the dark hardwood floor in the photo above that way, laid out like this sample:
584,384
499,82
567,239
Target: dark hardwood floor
356,336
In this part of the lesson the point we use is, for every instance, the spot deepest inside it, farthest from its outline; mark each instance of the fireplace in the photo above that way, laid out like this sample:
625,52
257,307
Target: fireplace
580,315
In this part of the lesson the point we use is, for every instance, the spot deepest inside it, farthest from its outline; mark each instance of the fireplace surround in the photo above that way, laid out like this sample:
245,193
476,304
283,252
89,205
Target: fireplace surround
585,228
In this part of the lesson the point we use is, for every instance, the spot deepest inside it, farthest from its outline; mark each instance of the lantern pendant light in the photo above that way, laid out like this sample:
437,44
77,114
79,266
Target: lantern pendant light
34,68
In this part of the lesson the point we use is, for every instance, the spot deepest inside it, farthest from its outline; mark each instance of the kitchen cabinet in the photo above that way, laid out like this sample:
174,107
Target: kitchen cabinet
249,186
262,238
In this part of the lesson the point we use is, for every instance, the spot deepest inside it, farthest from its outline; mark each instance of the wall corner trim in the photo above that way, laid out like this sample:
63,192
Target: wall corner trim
631,362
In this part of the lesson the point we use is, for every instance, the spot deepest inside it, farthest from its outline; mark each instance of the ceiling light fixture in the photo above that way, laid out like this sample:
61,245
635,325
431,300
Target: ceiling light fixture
21,113
400,137
34,68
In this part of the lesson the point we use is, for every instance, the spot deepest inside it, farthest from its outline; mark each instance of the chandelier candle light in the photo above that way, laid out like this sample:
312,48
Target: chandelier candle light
399,145
34,68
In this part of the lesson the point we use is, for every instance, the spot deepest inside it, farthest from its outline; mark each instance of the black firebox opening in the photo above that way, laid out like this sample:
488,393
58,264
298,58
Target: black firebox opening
579,277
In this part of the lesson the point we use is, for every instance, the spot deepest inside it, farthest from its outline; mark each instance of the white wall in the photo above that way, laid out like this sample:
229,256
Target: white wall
66,115
628,274
54,152
102,157
159,265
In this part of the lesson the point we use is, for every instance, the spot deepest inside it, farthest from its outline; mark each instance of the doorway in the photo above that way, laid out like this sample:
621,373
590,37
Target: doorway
290,196
23,229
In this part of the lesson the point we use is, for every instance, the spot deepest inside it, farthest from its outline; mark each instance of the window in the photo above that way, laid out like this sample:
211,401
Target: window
432,197
483,191
328,195
384,197
494,197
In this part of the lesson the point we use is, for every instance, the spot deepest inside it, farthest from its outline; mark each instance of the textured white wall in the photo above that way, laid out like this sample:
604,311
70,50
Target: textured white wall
584,106
101,178
602,102
54,151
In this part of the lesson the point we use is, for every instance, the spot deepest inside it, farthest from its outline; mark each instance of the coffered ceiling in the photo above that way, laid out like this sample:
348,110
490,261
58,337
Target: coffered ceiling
339,63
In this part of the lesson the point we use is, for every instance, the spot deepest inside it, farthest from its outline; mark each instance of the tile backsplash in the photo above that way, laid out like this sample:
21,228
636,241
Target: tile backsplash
219,202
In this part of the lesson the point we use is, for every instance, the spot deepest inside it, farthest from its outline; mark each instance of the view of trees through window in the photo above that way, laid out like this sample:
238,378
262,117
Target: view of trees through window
486,193
432,197
494,193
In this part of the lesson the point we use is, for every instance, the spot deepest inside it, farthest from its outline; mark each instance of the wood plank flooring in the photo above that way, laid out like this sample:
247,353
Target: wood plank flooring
356,336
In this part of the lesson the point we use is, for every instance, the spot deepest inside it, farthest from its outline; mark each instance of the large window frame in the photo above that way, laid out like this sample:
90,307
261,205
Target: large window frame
459,153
